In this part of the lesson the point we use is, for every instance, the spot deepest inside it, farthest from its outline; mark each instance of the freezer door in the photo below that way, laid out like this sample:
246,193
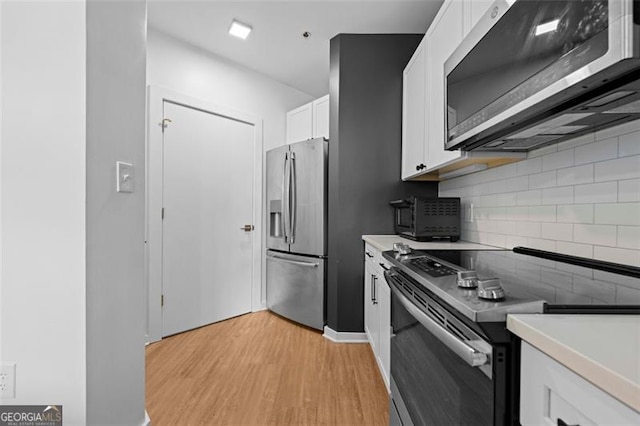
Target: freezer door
309,197
295,288
277,198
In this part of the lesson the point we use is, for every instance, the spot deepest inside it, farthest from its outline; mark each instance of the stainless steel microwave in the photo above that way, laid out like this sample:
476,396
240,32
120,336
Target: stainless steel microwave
532,73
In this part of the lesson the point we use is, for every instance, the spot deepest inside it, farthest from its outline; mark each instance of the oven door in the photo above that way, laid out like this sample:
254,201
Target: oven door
440,369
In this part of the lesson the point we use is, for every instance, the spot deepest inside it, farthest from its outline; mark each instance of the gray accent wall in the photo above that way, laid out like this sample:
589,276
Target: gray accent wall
116,69
364,160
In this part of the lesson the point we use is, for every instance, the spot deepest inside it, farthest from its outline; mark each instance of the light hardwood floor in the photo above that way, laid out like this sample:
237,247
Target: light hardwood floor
260,369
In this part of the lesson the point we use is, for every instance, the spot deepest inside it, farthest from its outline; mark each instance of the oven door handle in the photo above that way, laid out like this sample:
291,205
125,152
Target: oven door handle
470,355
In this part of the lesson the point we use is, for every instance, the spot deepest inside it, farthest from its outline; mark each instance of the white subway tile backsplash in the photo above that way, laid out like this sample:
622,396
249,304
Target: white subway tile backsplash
542,214
529,166
497,240
574,249
528,198
617,214
629,190
543,180
557,160
537,243
617,255
629,144
505,227
543,151
557,231
518,184
621,168
580,140
629,237
574,213
575,175
505,172
561,195
506,199
605,192
598,151
517,213
580,197
603,235
515,241
527,229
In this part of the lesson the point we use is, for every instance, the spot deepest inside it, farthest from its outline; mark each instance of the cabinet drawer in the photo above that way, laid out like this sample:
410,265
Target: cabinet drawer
550,394
371,254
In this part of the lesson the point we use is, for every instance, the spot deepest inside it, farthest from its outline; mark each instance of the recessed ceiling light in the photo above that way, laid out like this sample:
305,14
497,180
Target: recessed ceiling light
547,27
240,30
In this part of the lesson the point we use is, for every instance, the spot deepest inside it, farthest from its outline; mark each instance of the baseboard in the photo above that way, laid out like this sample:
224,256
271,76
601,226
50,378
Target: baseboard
147,419
344,337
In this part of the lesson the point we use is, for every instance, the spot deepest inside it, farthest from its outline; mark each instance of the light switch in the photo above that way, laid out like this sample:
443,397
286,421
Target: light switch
124,172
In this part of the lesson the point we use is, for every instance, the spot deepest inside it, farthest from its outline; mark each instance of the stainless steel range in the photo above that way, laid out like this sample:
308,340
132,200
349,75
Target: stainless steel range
452,359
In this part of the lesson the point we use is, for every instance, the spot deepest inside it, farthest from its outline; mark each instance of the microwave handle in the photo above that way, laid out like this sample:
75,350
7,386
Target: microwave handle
470,355
400,203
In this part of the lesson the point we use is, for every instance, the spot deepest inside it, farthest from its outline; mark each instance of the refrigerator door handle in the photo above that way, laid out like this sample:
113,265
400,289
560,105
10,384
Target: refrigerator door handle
274,257
285,198
293,200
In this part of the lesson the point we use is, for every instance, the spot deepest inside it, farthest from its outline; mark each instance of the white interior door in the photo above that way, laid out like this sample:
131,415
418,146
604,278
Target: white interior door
208,189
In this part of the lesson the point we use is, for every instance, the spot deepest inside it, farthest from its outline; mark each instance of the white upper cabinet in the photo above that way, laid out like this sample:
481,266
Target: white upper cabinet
474,11
414,80
300,124
309,121
424,156
443,36
321,117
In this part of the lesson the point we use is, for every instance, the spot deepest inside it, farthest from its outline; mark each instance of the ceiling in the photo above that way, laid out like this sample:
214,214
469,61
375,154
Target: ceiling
276,46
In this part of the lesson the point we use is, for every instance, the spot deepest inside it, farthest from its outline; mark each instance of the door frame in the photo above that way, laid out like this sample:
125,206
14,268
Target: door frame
156,96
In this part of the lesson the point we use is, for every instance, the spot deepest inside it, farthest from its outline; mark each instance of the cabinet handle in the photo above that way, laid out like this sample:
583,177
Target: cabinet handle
368,254
375,290
420,166
372,288
563,423
383,266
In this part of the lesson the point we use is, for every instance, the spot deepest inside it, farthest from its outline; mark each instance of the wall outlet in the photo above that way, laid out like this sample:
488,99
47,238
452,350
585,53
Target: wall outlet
468,213
8,381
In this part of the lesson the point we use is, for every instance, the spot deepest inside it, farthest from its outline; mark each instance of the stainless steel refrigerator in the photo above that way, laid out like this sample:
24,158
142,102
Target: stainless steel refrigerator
297,231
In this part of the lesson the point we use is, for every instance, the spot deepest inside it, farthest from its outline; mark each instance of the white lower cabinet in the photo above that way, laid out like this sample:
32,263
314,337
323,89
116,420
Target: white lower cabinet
552,394
377,309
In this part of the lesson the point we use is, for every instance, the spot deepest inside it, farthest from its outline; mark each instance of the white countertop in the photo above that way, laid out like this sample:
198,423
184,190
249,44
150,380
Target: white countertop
385,242
604,349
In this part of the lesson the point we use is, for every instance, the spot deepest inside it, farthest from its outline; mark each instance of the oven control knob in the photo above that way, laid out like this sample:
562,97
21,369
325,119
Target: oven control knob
467,279
490,289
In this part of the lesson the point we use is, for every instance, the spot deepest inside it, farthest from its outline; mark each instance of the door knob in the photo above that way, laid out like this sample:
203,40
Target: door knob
247,228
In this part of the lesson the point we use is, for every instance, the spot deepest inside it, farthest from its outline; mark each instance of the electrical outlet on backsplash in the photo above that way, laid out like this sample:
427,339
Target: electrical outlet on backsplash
579,197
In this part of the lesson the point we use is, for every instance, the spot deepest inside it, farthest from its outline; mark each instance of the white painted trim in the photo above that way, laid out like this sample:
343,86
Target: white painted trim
344,337
153,248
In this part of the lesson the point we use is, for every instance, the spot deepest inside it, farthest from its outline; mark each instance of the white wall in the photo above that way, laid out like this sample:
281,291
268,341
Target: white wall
580,197
188,70
116,100
192,71
43,306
